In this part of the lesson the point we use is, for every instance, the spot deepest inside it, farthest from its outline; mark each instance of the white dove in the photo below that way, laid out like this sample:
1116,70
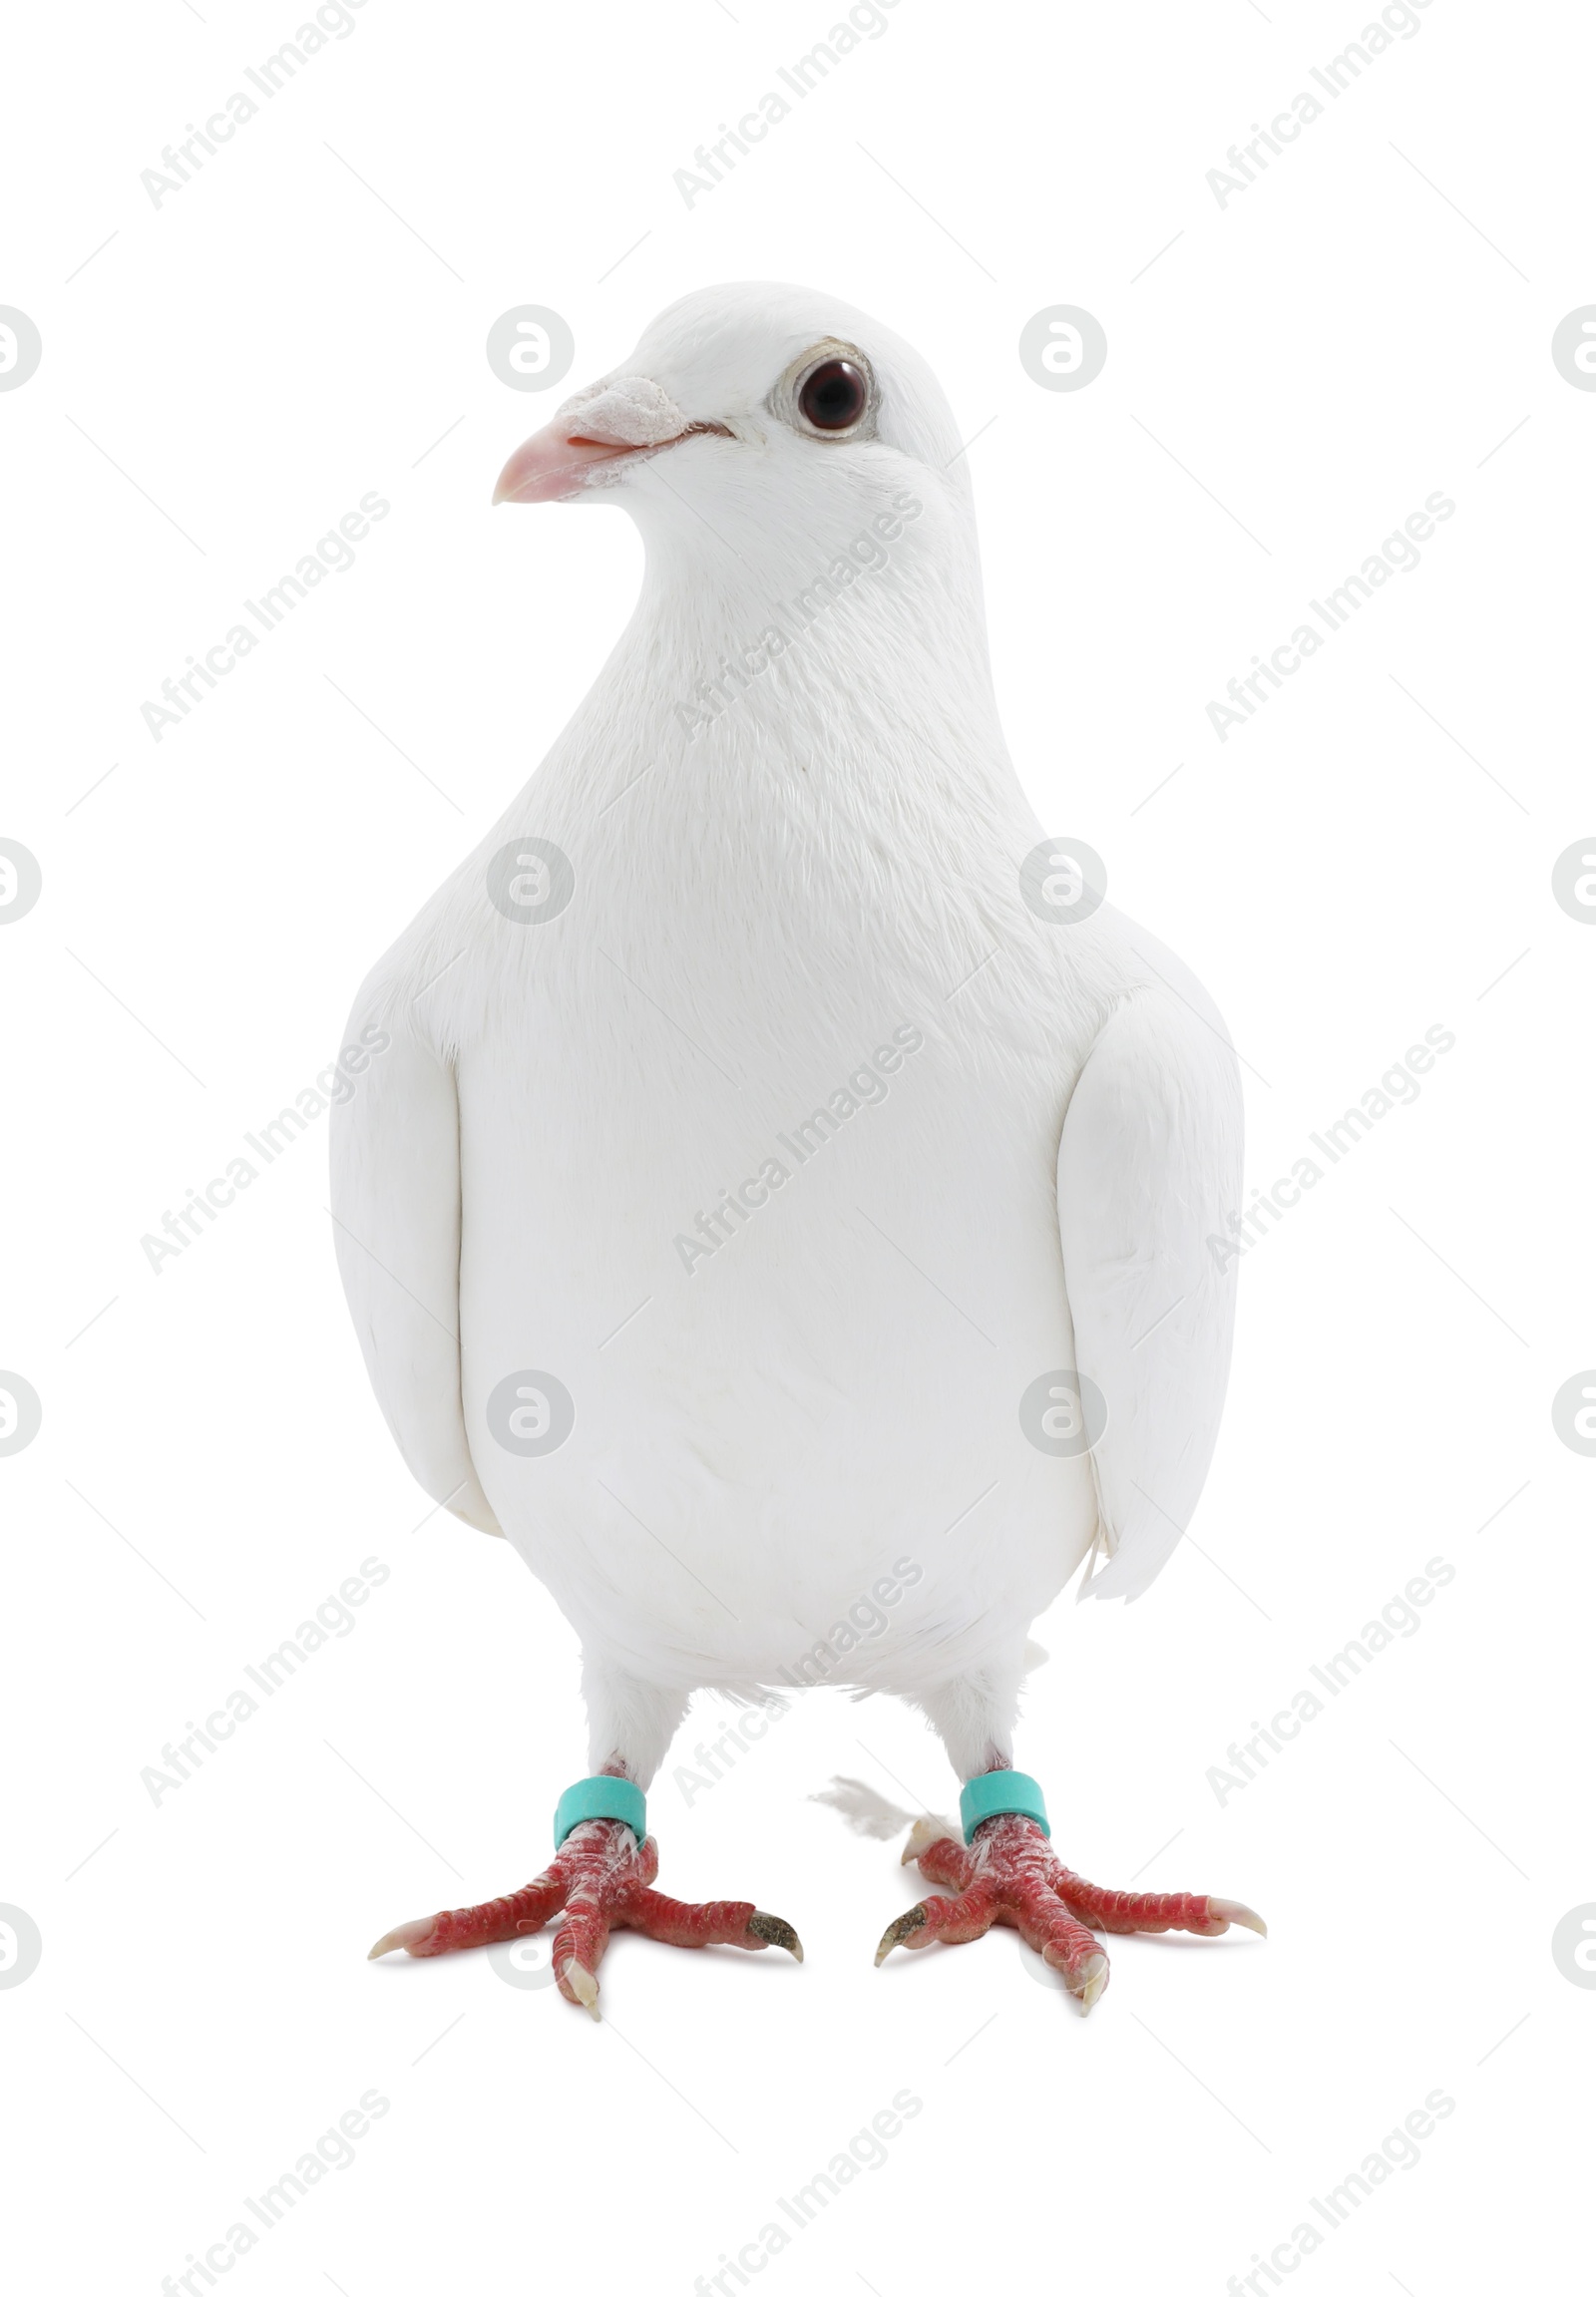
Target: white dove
776,1200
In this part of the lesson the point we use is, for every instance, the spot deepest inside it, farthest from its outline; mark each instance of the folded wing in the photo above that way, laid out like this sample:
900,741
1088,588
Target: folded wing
396,1220
1149,1171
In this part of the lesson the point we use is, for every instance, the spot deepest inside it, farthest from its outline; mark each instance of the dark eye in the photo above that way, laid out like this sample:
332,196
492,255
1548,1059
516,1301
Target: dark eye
833,396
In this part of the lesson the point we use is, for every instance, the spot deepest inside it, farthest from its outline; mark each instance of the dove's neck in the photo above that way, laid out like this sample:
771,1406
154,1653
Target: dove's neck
845,657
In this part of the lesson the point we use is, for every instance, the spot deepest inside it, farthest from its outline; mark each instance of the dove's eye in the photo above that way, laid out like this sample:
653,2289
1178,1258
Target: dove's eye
834,395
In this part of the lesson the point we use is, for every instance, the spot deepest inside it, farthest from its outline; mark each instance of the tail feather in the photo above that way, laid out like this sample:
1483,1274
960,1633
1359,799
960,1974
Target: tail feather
870,1813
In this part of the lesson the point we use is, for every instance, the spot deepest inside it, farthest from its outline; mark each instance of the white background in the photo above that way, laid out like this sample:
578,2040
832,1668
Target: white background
1287,380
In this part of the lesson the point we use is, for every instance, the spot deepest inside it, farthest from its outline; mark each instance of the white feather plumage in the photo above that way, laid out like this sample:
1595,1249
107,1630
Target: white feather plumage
759,902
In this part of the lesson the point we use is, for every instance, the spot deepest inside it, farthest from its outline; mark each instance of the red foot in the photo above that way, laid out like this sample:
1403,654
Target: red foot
1009,1874
599,1877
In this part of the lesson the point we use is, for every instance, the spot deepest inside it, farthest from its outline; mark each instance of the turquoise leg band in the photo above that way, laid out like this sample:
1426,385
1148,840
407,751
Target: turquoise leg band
600,1798
997,1792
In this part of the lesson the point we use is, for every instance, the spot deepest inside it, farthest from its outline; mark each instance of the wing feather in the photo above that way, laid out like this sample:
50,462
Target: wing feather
1149,1170
396,1212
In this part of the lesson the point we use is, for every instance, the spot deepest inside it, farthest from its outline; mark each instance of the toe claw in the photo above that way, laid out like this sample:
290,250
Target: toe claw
771,1930
1232,1910
898,1930
412,1936
584,1987
1093,1976
923,1835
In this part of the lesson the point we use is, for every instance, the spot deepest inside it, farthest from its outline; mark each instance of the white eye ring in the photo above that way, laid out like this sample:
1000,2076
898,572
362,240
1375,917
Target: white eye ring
786,400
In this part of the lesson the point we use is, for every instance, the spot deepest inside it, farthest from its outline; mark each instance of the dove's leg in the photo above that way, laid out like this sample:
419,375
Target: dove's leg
1008,1872
600,1877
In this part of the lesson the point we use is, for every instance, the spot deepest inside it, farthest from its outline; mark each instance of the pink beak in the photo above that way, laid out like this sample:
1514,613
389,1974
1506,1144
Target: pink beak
624,415
554,463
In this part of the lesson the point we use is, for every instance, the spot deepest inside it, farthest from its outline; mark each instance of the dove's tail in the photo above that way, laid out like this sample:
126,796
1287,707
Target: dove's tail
870,1813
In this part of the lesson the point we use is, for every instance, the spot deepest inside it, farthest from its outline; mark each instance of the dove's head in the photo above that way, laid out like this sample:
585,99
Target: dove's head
757,424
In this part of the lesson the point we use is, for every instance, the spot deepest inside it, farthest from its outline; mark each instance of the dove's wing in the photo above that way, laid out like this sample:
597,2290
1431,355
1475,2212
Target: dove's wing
1149,1170
396,1220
